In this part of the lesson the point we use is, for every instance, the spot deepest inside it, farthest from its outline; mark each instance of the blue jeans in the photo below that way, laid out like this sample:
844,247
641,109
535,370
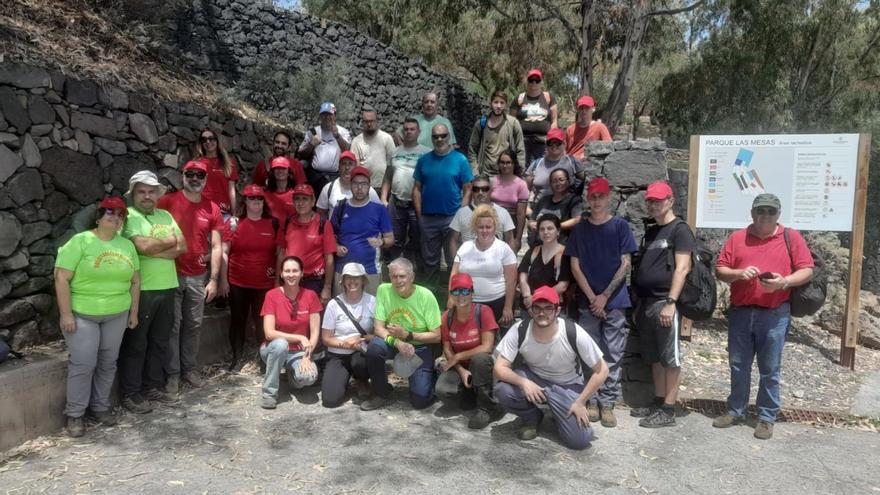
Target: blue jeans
407,235
757,332
421,383
434,238
276,355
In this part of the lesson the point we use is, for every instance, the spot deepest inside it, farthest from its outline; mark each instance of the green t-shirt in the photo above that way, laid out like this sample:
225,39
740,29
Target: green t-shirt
417,313
425,127
102,273
156,273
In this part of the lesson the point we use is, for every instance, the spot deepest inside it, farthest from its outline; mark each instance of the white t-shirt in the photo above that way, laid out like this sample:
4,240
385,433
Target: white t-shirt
461,223
374,153
326,157
329,197
485,267
554,361
335,319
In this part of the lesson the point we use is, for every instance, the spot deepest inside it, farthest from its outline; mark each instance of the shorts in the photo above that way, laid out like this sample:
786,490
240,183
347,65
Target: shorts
658,344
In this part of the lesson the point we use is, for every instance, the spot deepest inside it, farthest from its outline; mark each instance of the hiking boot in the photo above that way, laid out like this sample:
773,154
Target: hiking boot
172,386
527,432
136,404
484,417
593,412
105,418
193,379
660,418
642,412
607,417
363,390
75,427
157,395
268,403
764,430
726,421
376,402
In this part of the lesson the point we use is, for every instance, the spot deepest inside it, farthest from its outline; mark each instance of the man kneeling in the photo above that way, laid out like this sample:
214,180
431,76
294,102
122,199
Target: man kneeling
551,372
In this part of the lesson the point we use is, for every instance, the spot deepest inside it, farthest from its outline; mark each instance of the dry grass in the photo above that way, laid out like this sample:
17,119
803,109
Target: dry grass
81,42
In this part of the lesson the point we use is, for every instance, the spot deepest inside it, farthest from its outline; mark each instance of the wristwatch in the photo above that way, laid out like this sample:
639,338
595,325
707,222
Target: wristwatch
409,337
670,300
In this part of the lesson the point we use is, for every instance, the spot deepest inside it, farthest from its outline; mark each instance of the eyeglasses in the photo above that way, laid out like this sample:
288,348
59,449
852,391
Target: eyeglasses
198,175
534,80
554,143
543,309
113,212
461,292
254,198
769,211
360,184
480,189
439,136
205,139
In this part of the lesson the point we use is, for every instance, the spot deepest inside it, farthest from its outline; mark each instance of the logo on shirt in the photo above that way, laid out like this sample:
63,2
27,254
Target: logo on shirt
158,231
111,258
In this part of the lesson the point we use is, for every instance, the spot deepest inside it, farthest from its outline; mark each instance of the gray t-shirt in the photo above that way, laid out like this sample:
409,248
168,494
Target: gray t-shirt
326,157
554,361
461,223
541,169
403,162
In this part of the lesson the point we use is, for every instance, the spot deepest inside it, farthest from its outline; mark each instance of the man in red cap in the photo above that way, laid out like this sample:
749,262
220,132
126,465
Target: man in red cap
584,129
600,249
280,148
664,262
200,221
340,188
537,112
537,176
363,227
551,372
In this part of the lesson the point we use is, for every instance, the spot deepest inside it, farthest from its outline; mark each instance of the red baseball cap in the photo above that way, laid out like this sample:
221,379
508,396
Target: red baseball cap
253,190
535,73
116,203
586,101
599,185
461,281
196,164
545,293
280,162
360,171
556,134
348,155
303,190
658,191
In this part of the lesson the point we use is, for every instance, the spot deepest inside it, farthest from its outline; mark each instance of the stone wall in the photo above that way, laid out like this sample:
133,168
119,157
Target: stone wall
223,39
64,145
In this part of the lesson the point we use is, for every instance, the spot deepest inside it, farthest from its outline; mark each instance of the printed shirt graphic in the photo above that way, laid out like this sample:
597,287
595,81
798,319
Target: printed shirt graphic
404,162
102,273
417,313
356,225
466,336
197,221
156,273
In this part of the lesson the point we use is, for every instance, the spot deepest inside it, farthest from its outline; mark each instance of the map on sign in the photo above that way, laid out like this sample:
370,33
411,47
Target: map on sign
814,176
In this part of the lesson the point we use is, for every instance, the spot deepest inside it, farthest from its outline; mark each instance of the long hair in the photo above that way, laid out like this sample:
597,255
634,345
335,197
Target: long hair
241,209
225,159
517,168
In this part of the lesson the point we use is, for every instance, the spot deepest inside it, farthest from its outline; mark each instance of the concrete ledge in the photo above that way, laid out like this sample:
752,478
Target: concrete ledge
33,390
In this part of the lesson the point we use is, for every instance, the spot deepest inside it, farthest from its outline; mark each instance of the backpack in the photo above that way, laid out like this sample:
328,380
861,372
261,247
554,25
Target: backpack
807,299
477,311
570,333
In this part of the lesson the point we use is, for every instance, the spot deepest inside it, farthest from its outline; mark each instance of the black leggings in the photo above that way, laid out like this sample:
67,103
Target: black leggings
244,302
337,371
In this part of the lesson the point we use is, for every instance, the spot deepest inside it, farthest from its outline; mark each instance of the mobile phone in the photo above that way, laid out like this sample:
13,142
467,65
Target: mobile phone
765,276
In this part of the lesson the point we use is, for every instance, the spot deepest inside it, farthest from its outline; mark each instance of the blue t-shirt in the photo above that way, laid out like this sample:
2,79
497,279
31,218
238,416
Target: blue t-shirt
442,178
598,249
357,225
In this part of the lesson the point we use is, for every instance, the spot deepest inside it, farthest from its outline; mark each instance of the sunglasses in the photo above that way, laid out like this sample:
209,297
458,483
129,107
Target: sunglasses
765,211
534,80
198,175
254,198
543,309
440,136
480,189
113,212
461,292
205,139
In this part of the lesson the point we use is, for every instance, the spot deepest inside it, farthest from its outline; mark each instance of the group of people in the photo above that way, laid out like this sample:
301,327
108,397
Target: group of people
305,270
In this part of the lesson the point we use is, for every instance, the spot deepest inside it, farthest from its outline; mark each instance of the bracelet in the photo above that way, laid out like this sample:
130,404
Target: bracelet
390,340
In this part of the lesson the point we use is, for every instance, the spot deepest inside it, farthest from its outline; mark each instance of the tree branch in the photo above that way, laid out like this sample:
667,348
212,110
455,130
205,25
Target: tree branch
687,8
570,29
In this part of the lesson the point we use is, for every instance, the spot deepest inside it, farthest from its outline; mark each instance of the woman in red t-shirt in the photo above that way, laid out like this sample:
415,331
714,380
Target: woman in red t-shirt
467,347
248,268
279,192
222,172
292,326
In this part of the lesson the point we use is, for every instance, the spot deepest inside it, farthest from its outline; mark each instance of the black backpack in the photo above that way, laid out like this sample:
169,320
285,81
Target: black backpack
581,366
807,299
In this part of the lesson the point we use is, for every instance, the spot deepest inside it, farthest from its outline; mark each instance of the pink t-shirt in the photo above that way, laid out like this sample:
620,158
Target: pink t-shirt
508,195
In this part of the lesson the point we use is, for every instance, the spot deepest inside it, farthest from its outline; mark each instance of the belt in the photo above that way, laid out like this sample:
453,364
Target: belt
401,203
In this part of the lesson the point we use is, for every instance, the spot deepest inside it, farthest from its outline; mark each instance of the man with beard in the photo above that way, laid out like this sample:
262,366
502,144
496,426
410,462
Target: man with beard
159,242
201,223
493,134
280,147
373,148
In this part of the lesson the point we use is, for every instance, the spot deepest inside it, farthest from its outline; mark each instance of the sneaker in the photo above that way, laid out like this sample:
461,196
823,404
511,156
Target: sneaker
661,417
376,402
484,417
157,395
105,418
642,412
726,421
193,379
136,404
75,427
593,412
172,386
764,430
268,403
607,417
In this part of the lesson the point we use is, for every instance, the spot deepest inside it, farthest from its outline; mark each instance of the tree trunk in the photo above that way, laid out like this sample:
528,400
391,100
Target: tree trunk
629,64
585,63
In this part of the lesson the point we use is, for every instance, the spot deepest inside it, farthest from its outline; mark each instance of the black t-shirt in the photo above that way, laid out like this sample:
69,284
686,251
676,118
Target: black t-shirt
540,273
571,206
657,263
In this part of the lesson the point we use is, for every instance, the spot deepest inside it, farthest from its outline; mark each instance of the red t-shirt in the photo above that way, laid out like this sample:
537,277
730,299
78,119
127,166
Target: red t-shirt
260,176
743,249
280,204
465,336
280,306
252,253
217,185
576,138
196,221
305,242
